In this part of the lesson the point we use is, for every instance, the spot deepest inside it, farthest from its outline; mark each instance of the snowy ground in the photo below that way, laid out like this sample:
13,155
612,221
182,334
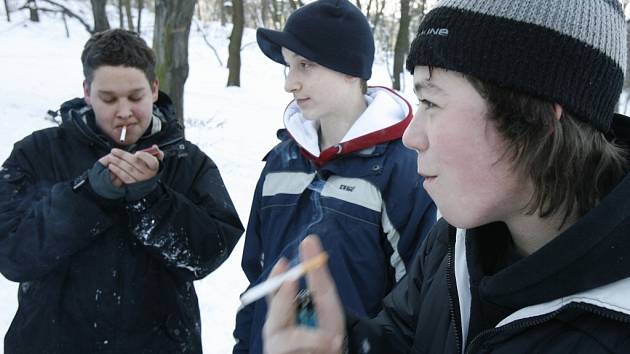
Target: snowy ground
40,68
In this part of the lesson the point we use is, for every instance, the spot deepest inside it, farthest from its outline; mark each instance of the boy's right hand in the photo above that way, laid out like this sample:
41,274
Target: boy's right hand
281,335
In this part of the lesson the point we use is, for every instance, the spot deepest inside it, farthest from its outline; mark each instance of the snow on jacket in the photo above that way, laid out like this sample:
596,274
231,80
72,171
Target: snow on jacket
469,292
106,276
358,196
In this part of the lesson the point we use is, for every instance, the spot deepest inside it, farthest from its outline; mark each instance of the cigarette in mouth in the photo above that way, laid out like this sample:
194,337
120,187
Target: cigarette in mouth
123,133
275,282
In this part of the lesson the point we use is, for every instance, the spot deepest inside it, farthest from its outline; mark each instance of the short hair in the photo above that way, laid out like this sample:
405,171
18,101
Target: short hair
571,164
117,47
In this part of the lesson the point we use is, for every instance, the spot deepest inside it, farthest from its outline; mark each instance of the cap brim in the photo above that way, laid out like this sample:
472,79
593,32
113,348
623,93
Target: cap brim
271,43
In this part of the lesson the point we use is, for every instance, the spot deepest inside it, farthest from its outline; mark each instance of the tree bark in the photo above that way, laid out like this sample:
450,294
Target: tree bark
33,12
121,23
223,11
402,43
234,49
379,13
127,4
170,43
140,6
6,9
100,15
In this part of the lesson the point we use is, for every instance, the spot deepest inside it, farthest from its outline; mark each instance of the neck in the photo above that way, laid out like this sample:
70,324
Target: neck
531,232
334,127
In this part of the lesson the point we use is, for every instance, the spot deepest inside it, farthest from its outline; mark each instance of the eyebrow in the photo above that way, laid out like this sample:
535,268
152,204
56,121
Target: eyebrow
426,85
131,92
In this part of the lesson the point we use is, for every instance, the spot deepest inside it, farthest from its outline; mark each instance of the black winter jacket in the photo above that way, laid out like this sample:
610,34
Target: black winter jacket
106,276
469,291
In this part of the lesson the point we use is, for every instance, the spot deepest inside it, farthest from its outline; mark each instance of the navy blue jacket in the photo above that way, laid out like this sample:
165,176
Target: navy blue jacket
99,275
363,197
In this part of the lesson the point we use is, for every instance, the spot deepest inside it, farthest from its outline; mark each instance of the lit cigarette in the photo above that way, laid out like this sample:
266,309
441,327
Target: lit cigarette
123,133
275,282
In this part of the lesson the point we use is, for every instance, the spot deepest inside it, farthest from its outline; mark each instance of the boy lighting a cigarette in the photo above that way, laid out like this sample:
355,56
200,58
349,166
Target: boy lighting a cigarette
103,230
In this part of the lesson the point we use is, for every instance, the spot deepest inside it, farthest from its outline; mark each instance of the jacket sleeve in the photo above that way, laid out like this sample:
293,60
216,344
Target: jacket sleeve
409,214
42,223
393,329
191,233
252,267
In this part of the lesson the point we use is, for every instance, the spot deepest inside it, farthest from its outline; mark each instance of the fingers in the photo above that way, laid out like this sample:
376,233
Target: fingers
325,298
131,168
281,305
302,340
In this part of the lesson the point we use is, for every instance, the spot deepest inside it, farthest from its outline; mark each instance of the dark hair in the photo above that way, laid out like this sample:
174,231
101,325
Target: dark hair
364,86
117,47
571,164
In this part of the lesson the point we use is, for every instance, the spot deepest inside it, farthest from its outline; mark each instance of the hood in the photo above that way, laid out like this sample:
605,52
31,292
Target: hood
77,117
385,119
592,253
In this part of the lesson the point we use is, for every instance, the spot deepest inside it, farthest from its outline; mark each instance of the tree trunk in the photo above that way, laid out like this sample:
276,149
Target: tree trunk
170,43
140,5
295,4
121,23
623,104
32,8
100,15
379,13
234,49
264,12
129,15
402,43
6,9
275,14
223,11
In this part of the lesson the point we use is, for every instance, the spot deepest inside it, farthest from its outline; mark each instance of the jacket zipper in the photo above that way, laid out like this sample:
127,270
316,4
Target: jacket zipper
452,293
534,321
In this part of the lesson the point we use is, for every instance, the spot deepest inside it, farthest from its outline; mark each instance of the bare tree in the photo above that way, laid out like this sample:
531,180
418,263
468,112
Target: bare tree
7,10
121,23
33,10
170,43
127,4
234,49
402,43
140,6
100,15
66,12
296,4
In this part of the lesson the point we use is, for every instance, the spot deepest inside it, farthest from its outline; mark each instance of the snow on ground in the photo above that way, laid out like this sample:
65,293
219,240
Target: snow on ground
40,68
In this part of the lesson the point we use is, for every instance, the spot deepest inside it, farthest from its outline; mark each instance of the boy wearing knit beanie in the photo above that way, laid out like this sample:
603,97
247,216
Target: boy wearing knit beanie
340,169
528,164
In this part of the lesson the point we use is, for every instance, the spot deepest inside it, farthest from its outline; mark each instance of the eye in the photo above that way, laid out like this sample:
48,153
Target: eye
305,65
108,100
135,98
426,104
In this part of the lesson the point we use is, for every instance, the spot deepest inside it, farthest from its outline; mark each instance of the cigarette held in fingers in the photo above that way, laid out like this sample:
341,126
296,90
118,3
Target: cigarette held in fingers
273,283
123,134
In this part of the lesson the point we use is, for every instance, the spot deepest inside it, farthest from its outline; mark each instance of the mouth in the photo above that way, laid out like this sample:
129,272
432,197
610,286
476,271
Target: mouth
428,178
301,101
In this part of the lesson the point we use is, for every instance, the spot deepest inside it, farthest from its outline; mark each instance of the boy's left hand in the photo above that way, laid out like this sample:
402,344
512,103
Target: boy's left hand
128,168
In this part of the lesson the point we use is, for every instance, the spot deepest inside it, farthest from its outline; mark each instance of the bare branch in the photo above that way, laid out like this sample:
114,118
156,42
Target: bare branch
68,12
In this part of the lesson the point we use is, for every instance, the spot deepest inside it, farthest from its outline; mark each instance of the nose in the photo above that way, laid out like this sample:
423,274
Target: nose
291,81
123,110
415,136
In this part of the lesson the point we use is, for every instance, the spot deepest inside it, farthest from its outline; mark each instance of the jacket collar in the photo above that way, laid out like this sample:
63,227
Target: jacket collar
385,119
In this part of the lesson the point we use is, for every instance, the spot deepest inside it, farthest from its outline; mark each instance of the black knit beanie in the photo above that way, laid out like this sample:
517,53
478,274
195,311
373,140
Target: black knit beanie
571,52
332,33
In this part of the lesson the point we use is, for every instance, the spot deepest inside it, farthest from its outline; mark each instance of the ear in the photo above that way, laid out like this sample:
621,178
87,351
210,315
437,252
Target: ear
558,110
86,93
155,89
